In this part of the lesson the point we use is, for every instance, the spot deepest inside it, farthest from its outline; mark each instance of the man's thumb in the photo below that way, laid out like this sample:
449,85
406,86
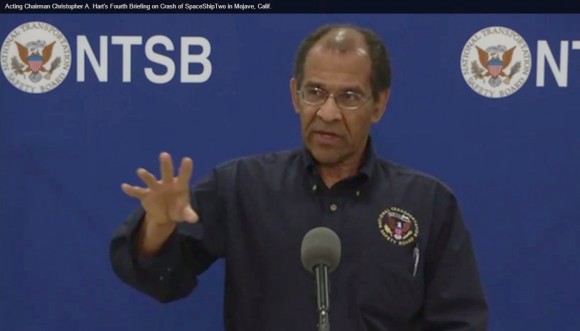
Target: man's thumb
189,215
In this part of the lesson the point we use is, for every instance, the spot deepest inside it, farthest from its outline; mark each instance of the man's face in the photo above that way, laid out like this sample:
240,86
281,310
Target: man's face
335,135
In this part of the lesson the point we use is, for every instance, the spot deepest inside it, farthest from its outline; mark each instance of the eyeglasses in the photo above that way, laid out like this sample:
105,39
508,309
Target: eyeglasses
347,100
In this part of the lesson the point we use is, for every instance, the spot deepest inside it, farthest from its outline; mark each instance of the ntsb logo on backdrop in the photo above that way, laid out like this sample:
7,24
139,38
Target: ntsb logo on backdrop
36,57
496,62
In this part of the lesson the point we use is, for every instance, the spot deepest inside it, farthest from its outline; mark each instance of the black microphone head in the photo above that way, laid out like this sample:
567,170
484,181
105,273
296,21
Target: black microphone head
320,246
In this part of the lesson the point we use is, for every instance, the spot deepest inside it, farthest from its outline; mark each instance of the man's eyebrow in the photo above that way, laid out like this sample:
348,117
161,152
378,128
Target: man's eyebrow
352,88
313,84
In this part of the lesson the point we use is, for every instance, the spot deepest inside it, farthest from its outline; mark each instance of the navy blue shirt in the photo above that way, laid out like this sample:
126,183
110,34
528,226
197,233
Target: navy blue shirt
407,259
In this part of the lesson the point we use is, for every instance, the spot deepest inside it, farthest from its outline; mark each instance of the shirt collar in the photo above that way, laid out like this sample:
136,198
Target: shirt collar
366,168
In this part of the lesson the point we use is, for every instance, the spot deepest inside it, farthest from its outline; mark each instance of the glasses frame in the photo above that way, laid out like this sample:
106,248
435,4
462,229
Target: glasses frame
332,95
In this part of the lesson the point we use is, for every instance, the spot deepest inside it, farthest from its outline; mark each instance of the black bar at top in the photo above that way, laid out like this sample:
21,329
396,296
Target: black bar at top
290,6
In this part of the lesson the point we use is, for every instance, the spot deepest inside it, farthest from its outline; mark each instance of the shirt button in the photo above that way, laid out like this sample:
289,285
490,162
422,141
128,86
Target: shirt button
161,278
314,187
357,193
333,207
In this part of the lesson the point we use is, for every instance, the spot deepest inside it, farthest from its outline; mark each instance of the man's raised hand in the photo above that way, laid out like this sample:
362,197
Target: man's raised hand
166,200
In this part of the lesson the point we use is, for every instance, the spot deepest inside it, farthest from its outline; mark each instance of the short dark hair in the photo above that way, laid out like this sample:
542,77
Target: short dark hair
380,62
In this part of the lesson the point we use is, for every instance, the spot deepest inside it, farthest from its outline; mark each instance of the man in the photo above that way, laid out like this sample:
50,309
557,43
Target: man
407,260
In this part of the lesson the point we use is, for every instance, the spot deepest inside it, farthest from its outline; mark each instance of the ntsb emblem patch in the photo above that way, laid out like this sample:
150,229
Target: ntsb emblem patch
398,226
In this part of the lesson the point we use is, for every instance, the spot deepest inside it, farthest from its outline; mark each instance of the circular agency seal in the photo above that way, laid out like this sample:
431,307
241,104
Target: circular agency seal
496,62
398,226
35,57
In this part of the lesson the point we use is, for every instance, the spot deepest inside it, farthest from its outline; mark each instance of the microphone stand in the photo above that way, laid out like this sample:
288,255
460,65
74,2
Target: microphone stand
321,272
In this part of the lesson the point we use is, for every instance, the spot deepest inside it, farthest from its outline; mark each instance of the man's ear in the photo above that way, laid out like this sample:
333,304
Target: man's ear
381,105
294,94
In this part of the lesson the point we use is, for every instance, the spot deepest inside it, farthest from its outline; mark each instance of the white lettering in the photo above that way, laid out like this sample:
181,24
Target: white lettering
126,42
100,67
545,54
13,6
187,58
160,59
195,65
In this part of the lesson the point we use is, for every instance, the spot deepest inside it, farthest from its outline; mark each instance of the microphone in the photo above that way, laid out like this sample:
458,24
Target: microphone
320,255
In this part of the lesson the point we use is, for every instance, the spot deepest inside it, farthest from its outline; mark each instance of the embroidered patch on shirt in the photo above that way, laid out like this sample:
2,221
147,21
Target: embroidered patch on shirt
398,226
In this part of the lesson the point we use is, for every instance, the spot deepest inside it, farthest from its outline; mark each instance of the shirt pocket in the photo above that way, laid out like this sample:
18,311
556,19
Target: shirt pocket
390,291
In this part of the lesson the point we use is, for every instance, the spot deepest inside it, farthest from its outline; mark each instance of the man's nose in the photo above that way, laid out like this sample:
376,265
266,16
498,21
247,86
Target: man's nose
329,110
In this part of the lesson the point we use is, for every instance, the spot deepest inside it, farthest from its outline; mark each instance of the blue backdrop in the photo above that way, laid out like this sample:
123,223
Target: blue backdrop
513,162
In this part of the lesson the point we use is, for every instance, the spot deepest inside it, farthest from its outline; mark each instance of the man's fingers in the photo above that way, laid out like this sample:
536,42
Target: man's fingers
185,171
147,178
166,167
133,191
